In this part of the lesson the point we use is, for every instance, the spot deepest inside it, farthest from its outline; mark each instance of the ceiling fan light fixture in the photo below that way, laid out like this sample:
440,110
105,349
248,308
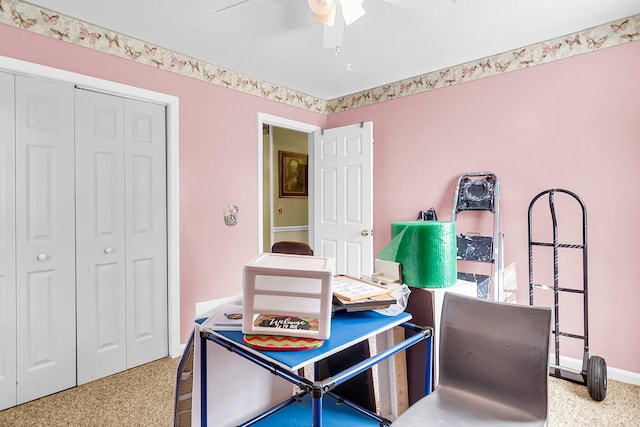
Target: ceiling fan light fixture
329,18
321,7
324,11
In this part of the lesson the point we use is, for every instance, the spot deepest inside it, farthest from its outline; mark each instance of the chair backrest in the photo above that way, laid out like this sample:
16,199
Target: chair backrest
286,247
496,351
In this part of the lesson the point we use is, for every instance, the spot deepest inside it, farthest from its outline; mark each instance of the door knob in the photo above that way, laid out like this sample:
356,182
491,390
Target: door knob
43,257
108,250
365,233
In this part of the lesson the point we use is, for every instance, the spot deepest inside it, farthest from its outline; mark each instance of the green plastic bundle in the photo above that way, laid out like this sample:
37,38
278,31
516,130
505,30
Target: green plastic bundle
426,250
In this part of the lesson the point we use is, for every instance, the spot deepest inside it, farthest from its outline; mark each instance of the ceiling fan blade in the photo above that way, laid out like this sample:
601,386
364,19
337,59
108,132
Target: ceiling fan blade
228,5
352,10
234,9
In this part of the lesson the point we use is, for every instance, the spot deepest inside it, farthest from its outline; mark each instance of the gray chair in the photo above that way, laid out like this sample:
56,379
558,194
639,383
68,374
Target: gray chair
493,366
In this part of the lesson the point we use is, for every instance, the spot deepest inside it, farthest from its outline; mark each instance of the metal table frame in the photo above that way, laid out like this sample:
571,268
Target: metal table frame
285,364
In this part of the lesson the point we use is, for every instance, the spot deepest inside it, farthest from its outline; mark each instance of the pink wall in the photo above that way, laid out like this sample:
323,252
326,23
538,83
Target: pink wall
569,124
218,160
572,123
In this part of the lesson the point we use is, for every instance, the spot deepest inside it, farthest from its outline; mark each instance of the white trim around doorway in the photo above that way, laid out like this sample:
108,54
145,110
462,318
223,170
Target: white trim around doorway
267,119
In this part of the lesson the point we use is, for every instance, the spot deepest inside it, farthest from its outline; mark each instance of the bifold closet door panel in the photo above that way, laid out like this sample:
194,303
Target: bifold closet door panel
101,249
7,244
146,237
45,238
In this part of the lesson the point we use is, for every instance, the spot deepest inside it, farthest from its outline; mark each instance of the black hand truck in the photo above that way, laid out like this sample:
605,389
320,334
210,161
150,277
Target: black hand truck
594,368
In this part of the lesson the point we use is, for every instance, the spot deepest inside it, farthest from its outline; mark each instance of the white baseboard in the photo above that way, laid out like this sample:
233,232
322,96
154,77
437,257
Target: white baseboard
612,373
182,347
205,309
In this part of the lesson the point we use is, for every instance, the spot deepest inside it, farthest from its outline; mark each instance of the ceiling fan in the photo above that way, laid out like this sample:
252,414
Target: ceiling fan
335,15
325,11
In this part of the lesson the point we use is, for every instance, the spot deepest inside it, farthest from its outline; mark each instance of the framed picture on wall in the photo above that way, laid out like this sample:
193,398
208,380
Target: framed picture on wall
292,174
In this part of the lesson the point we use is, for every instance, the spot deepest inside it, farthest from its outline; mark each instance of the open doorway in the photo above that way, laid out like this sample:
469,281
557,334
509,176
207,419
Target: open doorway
286,207
340,192
285,186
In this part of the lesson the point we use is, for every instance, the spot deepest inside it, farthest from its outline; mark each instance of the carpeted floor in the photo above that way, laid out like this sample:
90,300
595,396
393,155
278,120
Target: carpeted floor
570,405
144,397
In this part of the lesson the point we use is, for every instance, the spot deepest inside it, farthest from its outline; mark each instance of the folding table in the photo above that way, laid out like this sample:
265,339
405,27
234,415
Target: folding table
306,407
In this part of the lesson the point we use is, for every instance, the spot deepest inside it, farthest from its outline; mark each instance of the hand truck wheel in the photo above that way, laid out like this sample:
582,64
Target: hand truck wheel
597,378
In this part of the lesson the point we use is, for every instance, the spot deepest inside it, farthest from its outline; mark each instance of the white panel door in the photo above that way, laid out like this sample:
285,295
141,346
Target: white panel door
7,245
343,197
45,238
146,231
100,235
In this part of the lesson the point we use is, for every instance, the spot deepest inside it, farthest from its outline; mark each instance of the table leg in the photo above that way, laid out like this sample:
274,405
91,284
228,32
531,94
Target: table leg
428,386
203,381
317,410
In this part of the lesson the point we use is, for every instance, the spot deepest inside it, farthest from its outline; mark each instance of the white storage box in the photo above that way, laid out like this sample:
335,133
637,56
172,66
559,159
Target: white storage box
288,295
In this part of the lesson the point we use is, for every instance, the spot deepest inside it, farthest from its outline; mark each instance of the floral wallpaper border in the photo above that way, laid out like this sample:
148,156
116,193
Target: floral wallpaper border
45,22
603,36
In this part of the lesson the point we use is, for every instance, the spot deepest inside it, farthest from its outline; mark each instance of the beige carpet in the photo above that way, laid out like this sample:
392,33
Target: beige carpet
144,397
570,405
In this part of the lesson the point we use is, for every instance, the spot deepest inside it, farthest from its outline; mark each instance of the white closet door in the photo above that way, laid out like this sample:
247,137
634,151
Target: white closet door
100,235
121,229
7,245
146,235
45,238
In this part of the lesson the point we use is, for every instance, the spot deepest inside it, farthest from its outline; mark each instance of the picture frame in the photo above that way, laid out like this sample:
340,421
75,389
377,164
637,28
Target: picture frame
292,174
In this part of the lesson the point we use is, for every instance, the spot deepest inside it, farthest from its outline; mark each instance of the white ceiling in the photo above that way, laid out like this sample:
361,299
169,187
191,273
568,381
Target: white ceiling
278,41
